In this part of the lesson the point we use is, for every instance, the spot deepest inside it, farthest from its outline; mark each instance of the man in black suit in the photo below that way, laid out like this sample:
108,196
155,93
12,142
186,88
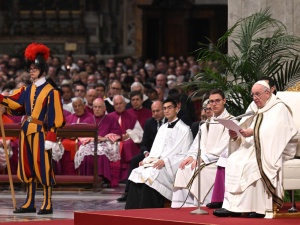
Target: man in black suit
150,130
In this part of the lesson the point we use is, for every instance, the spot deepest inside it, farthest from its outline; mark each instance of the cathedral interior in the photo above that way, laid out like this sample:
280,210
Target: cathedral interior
137,28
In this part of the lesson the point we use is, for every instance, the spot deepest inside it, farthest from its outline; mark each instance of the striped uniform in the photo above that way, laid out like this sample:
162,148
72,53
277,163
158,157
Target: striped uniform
43,104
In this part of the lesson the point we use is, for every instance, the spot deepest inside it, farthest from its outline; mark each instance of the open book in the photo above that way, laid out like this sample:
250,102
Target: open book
149,161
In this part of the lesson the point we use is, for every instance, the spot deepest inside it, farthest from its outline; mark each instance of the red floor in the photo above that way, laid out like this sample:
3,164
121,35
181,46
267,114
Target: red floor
167,216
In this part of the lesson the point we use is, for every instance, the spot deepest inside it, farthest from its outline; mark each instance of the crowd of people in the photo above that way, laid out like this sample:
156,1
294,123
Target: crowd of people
149,133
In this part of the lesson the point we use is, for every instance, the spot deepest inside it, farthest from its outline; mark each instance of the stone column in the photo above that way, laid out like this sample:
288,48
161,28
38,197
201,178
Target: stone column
288,12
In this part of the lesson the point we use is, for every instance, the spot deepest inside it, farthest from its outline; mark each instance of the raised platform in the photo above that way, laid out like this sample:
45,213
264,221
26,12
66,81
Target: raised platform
168,216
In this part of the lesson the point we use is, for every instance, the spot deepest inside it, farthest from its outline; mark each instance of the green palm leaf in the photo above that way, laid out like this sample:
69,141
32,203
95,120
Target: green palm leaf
262,48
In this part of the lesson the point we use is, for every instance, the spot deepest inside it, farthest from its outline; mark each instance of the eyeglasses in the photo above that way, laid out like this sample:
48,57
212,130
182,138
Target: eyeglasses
217,101
79,90
33,69
257,94
115,88
207,109
168,107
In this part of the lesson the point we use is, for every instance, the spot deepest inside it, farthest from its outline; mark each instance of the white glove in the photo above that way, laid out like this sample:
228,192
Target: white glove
49,145
2,159
57,151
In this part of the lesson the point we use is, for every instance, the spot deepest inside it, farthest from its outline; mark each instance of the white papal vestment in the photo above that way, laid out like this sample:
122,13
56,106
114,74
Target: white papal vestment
254,168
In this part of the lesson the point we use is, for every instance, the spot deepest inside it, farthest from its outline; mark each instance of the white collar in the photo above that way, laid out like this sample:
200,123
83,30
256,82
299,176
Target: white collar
40,81
173,121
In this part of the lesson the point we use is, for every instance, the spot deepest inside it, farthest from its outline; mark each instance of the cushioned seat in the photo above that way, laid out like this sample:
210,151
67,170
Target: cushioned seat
291,168
291,174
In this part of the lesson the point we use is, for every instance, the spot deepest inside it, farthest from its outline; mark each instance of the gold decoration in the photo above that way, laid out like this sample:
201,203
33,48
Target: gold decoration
296,87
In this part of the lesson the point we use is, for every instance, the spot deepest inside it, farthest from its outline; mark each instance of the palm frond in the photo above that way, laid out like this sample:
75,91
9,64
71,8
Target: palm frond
263,48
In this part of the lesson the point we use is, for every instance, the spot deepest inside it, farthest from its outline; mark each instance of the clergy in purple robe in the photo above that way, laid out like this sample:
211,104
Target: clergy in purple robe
109,132
136,100
132,134
80,116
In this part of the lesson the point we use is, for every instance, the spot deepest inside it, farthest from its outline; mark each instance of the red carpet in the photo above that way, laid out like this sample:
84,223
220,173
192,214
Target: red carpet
167,216
39,222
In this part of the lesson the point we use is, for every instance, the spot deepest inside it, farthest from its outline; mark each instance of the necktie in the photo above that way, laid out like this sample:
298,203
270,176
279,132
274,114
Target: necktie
159,122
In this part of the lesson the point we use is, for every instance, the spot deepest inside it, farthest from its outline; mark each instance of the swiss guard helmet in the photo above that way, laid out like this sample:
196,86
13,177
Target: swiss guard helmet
38,55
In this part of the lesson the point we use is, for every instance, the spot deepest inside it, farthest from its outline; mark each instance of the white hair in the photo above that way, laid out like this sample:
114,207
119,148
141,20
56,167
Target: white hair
75,99
119,96
137,84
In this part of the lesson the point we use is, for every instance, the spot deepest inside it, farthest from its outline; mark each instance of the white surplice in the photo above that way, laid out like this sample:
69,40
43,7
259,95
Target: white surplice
170,145
213,143
245,188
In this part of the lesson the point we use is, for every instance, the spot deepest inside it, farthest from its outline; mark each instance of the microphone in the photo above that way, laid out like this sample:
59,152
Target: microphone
250,113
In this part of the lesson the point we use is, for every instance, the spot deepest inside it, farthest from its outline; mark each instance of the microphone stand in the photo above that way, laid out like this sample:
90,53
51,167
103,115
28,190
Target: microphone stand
199,211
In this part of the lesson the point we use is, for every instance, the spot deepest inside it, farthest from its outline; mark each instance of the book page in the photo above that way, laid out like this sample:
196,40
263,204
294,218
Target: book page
231,125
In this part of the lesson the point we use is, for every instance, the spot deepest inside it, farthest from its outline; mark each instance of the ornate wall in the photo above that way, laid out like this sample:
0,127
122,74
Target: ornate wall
287,11
106,27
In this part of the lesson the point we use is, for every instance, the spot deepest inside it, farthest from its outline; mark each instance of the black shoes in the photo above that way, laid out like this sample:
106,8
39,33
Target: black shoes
28,210
256,215
225,213
45,211
214,205
24,210
123,198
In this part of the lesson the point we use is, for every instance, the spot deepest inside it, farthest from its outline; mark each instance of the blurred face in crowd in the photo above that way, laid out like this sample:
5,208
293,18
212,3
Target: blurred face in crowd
99,107
260,95
170,111
91,95
208,111
161,80
157,110
101,92
160,94
217,104
179,71
80,91
115,88
78,107
119,71
51,71
136,102
91,79
153,96
110,63
119,103
67,94
123,76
